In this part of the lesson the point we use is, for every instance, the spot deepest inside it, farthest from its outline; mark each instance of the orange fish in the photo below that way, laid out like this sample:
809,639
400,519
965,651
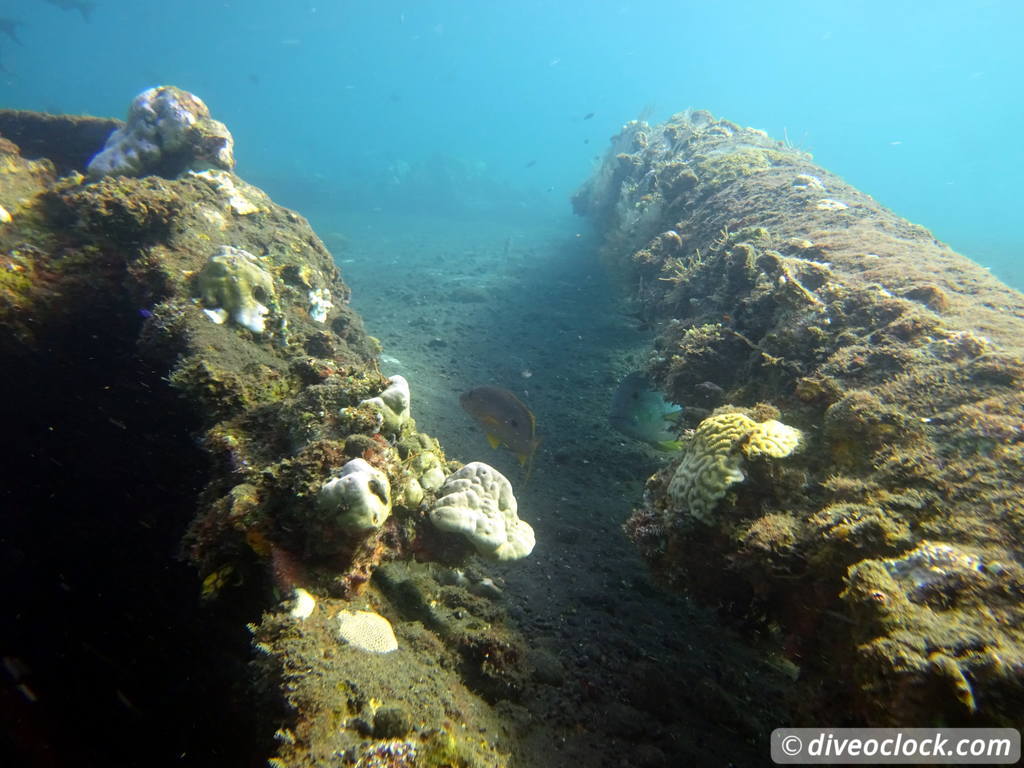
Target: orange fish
505,420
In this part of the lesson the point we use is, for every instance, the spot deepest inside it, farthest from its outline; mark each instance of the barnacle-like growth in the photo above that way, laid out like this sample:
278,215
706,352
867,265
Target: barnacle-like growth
712,459
234,284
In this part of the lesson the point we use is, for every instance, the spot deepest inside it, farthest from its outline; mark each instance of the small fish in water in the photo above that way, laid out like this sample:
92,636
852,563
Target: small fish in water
84,7
216,581
588,115
505,420
531,164
9,27
641,412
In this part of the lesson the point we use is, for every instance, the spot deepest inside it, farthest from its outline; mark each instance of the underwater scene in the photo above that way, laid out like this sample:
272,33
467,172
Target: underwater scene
448,384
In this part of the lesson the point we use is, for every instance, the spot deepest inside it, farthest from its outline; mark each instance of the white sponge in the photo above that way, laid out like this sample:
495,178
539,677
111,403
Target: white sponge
360,495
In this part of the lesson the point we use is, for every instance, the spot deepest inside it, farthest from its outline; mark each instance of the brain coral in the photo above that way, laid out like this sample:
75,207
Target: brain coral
477,502
711,460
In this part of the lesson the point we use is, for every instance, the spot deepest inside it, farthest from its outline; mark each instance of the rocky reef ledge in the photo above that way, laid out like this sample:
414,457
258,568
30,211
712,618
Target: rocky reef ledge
851,487
180,358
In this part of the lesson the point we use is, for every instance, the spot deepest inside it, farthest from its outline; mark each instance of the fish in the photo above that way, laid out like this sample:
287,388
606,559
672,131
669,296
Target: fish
505,420
84,7
641,412
588,115
9,27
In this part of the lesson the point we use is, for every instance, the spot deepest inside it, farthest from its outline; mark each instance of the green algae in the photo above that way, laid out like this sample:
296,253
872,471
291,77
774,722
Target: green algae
721,167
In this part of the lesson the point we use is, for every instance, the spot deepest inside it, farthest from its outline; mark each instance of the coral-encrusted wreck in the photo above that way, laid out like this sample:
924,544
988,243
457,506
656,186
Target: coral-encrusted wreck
138,311
884,552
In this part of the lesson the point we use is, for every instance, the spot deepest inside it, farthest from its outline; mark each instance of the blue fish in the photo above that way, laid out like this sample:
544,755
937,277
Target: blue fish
641,412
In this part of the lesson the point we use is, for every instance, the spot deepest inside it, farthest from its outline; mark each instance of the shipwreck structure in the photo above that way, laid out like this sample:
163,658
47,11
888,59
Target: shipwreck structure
180,355
877,542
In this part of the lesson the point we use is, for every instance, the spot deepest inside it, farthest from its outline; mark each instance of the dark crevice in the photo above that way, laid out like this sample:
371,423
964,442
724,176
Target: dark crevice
110,656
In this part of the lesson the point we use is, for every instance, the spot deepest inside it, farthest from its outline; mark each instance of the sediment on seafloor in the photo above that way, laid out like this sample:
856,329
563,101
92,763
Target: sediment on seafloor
879,548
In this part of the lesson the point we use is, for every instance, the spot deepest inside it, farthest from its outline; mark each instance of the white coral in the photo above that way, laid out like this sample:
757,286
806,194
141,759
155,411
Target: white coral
367,631
393,404
360,496
477,502
164,122
319,304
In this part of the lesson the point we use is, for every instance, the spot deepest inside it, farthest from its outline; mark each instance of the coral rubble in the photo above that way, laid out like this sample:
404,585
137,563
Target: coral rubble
882,556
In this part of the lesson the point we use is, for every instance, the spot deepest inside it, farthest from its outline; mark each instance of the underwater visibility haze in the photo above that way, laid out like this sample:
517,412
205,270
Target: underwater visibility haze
415,384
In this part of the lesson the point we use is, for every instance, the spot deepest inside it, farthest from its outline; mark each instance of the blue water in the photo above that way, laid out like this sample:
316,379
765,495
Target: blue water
369,104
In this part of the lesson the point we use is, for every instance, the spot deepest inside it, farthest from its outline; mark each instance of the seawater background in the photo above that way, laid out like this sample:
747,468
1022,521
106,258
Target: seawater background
476,108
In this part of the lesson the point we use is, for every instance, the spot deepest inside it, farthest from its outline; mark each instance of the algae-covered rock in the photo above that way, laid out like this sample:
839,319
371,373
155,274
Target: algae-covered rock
926,646
221,385
69,142
867,550
389,675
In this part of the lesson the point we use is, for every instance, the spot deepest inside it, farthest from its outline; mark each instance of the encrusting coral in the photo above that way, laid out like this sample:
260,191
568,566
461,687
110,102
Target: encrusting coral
235,284
359,496
367,631
394,405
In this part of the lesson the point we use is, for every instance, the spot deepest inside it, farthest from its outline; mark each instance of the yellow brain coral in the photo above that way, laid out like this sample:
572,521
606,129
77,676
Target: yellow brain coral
711,460
770,439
